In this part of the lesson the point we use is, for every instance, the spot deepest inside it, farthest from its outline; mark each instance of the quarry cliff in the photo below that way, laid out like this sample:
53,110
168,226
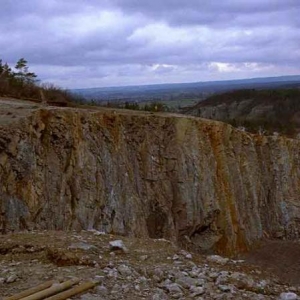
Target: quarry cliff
269,111
194,181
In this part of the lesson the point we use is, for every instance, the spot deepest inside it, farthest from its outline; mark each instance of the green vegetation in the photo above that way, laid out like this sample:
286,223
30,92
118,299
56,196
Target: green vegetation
258,111
266,126
152,106
19,82
266,96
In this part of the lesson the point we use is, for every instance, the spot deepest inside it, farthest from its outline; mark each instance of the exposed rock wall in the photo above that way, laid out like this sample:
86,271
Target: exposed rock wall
164,176
244,109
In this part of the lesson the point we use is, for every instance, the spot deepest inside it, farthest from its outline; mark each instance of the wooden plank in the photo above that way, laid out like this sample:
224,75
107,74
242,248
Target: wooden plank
74,291
54,289
31,291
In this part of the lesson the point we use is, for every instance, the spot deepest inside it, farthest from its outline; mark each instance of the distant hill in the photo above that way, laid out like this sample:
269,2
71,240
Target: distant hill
183,91
266,110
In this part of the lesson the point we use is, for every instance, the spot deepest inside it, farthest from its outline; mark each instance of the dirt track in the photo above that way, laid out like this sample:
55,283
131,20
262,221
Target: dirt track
281,258
14,109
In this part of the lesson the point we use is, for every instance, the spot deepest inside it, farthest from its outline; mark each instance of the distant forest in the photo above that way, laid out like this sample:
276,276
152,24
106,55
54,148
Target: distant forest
258,111
272,106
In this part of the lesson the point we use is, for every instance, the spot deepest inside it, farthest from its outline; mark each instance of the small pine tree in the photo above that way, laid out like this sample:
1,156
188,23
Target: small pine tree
23,75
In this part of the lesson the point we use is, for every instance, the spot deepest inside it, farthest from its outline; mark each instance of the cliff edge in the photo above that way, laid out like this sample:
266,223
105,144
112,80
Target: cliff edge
195,181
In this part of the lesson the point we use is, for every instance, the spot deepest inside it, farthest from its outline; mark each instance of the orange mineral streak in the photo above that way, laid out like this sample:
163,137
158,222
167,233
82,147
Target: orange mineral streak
233,240
141,174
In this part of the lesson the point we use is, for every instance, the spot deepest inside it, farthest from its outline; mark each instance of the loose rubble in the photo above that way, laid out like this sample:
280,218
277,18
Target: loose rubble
288,296
118,245
139,269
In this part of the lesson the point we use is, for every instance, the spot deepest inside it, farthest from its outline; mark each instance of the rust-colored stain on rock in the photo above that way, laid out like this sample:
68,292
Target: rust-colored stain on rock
191,180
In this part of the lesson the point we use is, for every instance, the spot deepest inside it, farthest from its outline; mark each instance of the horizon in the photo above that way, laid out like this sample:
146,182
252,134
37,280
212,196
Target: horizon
118,43
194,82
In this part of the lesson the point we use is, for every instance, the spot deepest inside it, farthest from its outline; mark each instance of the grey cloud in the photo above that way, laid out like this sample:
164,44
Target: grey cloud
96,43
216,13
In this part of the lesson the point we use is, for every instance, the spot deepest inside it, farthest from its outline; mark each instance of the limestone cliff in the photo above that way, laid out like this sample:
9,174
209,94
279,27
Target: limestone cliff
160,175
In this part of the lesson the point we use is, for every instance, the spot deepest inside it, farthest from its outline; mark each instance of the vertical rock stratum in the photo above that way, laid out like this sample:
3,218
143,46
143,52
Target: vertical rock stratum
182,178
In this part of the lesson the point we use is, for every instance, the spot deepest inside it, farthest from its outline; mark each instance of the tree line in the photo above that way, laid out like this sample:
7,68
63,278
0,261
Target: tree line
282,115
19,82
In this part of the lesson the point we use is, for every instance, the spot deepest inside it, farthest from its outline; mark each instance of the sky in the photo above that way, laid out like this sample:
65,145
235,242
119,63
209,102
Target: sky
98,43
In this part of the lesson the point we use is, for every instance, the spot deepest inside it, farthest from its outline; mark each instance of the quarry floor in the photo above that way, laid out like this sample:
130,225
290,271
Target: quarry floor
281,258
31,258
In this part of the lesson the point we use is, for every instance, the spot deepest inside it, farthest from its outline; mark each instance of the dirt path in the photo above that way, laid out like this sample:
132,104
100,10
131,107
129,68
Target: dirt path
12,110
281,258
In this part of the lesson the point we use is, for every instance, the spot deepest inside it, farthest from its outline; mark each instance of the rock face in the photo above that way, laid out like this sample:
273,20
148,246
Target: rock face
245,109
259,111
167,176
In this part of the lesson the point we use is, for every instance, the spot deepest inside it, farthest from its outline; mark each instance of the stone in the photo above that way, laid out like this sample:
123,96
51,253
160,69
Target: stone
241,281
118,245
213,275
101,290
238,261
113,273
156,278
262,284
186,254
144,257
89,296
166,283
126,288
12,278
193,274
186,281
224,288
189,256
217,259
158,274
116,289
96,232
82,246
124,270
288,296
174,288
222,278
159,294
197,291
142,280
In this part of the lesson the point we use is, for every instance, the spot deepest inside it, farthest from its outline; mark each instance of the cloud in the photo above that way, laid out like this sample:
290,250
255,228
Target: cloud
118,42
216,13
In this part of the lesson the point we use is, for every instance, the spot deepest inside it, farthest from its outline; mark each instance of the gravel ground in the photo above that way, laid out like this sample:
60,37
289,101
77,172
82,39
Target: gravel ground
138,269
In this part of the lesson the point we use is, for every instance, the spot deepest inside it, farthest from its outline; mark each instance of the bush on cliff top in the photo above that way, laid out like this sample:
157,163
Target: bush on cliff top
19,82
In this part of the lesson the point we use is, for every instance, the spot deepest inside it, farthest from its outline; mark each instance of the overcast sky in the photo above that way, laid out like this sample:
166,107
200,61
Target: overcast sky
93,43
